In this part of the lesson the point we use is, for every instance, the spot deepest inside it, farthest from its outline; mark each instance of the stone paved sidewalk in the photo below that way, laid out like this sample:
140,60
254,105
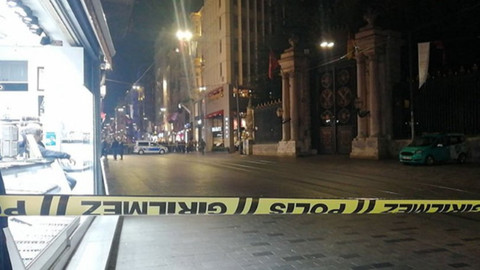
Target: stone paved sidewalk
356,242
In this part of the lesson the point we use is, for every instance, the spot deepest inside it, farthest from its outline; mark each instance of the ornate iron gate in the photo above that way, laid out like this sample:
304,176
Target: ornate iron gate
337,119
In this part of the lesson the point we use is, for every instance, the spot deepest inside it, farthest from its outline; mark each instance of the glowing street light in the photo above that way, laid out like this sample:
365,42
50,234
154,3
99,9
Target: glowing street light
184,35
327,44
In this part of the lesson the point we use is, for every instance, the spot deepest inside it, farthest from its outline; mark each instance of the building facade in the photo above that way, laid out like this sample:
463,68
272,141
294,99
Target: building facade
232,33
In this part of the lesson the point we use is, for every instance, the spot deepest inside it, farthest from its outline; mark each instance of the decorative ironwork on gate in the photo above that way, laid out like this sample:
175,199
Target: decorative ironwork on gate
334,115
267,123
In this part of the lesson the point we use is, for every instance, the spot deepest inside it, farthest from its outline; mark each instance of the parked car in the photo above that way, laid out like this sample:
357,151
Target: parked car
432,148
147,147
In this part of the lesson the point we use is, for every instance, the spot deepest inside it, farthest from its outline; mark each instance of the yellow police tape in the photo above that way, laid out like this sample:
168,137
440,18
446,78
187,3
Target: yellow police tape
61,205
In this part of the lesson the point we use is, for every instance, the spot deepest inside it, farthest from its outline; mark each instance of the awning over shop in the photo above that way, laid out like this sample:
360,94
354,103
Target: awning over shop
213,114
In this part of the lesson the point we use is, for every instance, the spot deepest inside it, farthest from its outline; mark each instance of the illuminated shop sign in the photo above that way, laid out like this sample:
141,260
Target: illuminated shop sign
215,93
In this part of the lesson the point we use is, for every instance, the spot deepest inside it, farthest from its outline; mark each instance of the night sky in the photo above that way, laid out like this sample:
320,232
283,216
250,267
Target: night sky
455,23
134,32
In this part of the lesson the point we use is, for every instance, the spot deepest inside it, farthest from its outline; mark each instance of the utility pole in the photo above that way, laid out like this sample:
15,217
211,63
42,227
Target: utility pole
180,105
239,135
410,84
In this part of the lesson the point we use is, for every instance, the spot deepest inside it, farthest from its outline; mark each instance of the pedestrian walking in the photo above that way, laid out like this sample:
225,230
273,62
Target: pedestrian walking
121,147
201,146
190,146
115,148
181,146
105,148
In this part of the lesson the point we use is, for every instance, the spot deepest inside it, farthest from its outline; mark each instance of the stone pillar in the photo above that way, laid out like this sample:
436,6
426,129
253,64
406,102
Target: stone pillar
295,141
374,97
361,96
375,79
305,123
293,107
285,107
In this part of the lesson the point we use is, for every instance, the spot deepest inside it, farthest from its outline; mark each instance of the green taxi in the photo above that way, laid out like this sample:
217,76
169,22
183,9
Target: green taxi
432,148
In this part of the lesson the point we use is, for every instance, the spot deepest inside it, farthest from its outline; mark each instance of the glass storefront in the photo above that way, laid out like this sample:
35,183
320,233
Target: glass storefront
49,113
46,118
217,132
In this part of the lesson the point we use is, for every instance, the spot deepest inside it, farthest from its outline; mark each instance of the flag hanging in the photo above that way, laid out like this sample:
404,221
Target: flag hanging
423,59
272,64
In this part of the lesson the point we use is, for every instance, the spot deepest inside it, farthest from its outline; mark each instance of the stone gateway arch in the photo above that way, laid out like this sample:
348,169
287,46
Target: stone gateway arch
367,97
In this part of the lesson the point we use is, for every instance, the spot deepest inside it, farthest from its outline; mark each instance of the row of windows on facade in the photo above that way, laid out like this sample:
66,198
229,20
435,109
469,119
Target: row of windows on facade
251,3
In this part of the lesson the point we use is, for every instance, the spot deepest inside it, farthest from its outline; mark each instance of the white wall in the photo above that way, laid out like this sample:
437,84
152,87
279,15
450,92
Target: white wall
68,104
63,68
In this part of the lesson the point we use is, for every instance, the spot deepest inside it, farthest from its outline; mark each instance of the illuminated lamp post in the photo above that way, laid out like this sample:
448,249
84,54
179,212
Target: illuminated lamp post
327,44
203,111
185,36
187,126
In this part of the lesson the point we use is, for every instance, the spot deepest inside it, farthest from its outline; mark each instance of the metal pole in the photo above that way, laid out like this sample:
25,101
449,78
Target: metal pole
189,119
410,83
238,118
204,117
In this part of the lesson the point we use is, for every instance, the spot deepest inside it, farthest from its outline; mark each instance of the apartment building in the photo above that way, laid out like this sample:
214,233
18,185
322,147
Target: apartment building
197,78
231,33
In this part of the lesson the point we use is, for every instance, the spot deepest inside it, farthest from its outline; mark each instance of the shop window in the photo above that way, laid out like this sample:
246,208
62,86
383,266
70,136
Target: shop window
42,132
217,132
13,76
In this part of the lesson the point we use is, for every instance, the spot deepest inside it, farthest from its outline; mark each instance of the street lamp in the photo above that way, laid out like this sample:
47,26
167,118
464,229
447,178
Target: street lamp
327,44
185,39
184,35
180,106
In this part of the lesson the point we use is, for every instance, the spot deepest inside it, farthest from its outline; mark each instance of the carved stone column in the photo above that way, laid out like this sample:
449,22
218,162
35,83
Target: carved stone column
374,97
285,107
376,75
295,140
361,96
293,107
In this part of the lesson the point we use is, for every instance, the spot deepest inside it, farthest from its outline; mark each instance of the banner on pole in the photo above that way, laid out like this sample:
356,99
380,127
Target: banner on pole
423,59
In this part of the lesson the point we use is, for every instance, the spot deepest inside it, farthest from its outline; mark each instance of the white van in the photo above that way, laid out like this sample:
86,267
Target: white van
147,147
